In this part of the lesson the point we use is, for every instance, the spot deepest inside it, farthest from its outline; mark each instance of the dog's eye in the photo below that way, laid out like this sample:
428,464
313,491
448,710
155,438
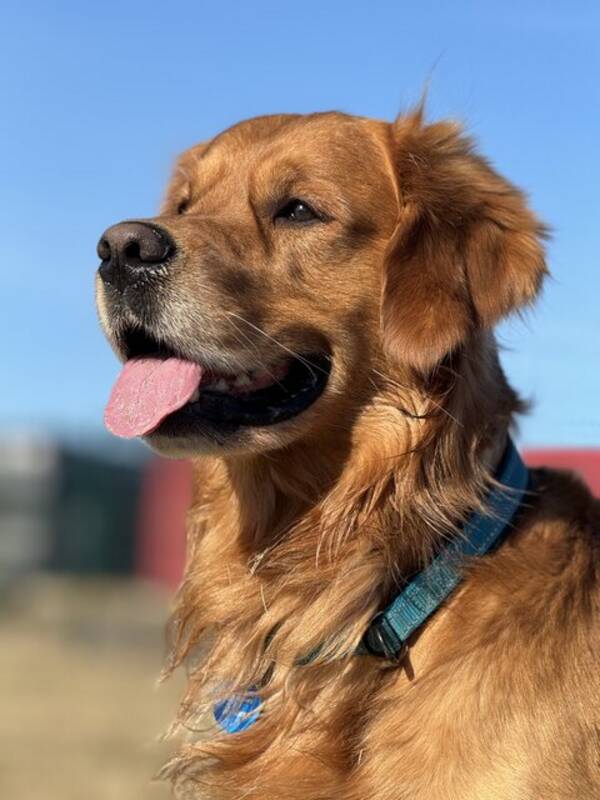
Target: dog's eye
297,211
183,206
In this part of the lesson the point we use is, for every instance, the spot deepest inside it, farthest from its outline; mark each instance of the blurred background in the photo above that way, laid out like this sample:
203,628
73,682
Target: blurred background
97,99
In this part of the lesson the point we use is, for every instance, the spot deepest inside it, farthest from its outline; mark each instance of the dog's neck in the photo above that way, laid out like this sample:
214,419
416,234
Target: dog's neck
295,549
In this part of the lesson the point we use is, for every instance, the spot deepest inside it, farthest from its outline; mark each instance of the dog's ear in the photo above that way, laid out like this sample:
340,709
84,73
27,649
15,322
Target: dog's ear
466,249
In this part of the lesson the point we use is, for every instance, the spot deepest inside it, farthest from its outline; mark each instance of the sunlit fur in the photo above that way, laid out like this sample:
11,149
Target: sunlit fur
294,547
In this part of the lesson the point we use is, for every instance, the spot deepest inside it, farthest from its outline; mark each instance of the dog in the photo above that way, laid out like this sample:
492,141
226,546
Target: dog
310,320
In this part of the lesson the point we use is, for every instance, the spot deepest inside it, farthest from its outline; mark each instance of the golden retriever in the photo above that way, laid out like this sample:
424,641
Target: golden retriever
309,319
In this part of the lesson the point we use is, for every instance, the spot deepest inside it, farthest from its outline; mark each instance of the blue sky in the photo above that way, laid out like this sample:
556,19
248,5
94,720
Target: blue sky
98,98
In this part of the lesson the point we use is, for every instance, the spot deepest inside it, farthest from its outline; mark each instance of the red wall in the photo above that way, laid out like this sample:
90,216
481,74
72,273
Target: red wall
166,496
584,461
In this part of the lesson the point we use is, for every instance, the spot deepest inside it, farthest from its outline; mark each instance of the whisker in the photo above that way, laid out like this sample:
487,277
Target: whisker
305,361
256,350
402,409
437,405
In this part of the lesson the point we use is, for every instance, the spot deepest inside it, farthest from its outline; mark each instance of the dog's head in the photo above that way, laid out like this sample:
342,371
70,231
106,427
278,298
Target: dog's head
294,259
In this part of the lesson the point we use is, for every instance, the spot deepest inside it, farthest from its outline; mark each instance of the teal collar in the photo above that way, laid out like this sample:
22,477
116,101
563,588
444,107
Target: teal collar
388,632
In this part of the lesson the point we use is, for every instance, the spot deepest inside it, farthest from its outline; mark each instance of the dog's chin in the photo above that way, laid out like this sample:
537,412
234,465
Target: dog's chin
204,438
234,443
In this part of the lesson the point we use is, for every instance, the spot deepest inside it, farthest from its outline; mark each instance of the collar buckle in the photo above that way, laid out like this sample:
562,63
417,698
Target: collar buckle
383,642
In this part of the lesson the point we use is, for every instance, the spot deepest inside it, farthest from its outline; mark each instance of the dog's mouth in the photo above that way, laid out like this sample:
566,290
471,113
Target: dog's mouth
161,392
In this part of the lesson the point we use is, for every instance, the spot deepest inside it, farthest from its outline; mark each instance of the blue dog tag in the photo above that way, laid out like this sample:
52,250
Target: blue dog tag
237,713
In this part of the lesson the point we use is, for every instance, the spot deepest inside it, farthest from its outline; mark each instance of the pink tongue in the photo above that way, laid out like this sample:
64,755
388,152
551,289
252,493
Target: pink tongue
147,391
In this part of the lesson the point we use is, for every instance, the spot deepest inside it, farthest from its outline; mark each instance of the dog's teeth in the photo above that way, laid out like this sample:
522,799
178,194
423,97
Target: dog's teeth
195,397
221,385
242,380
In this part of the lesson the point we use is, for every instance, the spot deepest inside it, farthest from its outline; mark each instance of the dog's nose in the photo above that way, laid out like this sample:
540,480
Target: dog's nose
128,248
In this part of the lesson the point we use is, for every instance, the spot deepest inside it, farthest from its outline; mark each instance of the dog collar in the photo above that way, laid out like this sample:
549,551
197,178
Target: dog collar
388,632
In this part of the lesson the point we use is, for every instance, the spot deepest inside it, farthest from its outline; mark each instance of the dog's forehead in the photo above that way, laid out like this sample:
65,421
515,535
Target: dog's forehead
325,145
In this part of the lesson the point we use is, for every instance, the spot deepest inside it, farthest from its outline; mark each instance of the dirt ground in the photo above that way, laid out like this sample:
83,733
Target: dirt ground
80,711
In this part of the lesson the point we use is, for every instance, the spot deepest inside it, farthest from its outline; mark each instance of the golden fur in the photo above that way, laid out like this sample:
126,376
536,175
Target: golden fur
298,534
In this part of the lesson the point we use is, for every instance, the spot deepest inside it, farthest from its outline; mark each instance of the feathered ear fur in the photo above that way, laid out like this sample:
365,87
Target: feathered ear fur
466,250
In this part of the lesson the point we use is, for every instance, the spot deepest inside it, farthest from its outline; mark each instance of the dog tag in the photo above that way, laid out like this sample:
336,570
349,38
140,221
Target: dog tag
237,713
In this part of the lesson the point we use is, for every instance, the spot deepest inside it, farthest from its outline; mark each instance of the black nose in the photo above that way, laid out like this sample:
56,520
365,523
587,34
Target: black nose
131,248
